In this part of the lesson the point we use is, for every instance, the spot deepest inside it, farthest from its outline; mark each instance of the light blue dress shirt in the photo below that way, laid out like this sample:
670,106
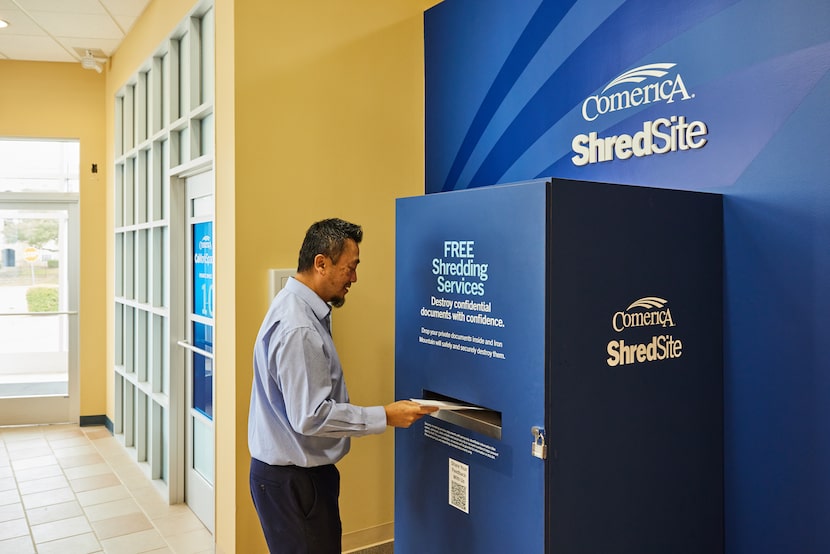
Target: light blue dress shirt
300,412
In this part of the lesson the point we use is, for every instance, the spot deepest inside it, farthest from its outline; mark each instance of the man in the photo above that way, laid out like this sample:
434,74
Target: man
300,418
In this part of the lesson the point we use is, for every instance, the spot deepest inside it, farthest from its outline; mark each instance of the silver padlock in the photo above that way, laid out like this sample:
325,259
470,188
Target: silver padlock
539,449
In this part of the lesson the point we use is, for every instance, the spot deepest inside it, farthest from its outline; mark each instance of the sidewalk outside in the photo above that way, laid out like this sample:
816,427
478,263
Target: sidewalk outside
32,361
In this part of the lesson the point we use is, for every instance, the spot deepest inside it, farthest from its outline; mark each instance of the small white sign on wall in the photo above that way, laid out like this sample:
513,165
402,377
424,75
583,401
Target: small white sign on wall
277,278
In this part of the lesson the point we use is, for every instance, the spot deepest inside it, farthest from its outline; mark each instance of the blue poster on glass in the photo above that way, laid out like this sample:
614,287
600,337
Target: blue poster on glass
203,269
203,369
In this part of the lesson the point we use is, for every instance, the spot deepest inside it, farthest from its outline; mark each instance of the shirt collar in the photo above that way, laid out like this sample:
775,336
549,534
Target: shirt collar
320,308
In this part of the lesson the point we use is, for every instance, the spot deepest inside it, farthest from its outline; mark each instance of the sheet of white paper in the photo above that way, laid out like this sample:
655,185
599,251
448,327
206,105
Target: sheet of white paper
445,405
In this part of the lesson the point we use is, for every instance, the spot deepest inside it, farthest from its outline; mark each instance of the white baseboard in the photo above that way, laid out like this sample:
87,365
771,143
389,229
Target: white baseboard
366,538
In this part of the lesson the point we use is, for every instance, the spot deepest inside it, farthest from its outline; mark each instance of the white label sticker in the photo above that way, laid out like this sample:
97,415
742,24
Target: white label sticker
459,482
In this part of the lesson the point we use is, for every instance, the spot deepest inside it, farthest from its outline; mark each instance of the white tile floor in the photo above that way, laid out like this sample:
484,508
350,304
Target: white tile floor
75,490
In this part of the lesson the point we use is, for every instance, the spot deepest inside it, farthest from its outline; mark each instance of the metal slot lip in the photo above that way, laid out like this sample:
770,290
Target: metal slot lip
481,419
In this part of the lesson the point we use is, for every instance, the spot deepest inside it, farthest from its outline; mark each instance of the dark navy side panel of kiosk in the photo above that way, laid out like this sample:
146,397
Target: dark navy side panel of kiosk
470,323
591,311
636,384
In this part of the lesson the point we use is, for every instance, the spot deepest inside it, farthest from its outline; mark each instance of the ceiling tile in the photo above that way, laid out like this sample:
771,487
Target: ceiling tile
52,29
125,7
39,49
62,6
19,24
79,25
126,22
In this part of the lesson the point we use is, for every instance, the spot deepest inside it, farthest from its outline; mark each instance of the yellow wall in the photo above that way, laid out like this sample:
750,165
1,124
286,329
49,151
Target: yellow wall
63,100
329,122
231,486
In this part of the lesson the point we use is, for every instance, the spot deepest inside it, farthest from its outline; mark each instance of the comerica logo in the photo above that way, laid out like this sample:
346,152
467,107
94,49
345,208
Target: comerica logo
661,90
655,314
649,311
662,135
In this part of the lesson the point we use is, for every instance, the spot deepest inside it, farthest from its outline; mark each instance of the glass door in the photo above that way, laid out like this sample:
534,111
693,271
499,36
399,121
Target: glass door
198,323
38,309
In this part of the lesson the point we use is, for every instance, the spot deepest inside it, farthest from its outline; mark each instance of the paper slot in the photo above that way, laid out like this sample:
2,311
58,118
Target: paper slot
445,404
464,414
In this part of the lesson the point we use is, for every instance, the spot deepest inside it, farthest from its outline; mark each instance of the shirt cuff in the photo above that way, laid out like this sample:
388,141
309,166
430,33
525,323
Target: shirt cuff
376,420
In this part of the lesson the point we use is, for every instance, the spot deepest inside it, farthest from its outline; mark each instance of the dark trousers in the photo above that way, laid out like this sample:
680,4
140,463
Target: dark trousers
297,507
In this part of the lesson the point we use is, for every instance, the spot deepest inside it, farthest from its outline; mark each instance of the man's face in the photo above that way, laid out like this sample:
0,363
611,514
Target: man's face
340,276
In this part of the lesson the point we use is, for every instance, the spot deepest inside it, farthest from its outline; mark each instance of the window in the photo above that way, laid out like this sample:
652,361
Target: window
32,166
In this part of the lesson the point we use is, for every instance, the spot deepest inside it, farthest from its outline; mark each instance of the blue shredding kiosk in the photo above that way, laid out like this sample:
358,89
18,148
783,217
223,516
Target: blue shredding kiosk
573,333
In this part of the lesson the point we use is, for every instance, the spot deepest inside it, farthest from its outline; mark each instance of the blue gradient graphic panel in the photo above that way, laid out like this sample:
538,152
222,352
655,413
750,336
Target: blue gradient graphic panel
497,116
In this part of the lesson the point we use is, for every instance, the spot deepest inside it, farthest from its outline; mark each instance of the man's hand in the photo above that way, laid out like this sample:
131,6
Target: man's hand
404,413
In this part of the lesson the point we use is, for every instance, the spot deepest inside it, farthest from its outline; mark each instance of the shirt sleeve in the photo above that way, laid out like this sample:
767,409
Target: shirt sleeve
316,402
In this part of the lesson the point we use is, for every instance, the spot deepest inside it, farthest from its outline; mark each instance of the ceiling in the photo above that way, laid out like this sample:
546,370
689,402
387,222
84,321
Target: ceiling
63,30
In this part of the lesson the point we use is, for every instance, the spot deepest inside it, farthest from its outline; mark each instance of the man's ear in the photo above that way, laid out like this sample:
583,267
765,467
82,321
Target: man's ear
320,262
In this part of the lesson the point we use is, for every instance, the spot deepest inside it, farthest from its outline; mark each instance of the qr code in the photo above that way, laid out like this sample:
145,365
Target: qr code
459,479
458,497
